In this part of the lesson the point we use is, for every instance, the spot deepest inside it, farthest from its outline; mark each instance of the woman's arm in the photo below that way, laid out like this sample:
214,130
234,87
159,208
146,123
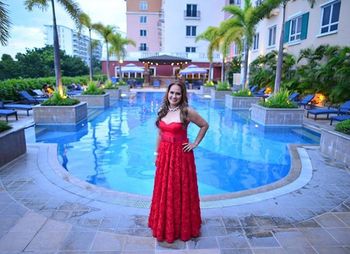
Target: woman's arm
195,118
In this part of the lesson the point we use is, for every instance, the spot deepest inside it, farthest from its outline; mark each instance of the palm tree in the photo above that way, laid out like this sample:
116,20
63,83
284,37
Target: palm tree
246,19
106,32
85,20
73,9
5,24
117,47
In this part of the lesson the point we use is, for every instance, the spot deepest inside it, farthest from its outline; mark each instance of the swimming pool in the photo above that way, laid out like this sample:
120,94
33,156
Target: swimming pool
114,149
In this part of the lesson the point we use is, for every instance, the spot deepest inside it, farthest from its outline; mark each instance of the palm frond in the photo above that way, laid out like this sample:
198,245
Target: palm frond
73,9
5,24
41,4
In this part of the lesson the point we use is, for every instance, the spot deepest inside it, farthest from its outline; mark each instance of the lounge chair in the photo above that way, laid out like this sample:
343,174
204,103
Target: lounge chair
30,99
294,97
16,106
339,118
8,112
156,83
343,109
253,88
306,100
261,93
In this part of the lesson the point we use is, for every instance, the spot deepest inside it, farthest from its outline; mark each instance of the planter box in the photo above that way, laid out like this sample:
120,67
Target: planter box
14,142
70,115
277,116
124,91
235,102
95,101
205,90
114,94
335,145
218,95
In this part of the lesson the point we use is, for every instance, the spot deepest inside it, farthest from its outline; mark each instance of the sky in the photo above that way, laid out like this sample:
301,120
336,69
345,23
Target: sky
27,30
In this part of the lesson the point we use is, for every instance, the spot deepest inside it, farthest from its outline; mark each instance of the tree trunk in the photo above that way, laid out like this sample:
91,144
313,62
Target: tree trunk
280,53
90,49
108,75
245,70
210,70
56,49
223,69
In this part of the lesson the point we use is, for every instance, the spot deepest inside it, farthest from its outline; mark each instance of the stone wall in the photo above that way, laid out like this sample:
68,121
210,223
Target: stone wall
95,101
218,95
335,145
114,93
277,116
236,102
13,144
70,115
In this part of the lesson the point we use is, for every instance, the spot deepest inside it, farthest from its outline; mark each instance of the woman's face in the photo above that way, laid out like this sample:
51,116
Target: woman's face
174,95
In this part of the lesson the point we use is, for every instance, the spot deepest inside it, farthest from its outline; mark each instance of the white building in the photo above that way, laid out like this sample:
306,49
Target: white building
73,43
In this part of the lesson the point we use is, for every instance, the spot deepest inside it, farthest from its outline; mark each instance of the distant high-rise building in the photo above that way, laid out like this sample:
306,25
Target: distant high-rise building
73,43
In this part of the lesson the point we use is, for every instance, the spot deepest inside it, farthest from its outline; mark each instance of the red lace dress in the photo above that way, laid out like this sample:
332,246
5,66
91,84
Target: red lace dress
175,212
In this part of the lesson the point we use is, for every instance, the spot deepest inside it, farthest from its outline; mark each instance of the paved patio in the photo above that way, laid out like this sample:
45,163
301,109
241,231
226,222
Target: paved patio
45,210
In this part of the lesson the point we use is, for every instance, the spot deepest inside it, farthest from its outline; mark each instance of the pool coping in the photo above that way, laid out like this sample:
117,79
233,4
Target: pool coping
299,175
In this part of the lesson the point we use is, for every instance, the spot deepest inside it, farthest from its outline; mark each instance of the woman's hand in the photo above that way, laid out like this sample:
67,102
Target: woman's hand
187,147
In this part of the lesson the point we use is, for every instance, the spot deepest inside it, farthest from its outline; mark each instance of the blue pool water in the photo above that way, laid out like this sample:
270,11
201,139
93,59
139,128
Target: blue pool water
114,149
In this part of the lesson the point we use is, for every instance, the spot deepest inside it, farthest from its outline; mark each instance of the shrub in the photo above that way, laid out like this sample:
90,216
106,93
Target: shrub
122,83
242,93
4,126
223,86
57,100
109,85
343,127
279,100
92,89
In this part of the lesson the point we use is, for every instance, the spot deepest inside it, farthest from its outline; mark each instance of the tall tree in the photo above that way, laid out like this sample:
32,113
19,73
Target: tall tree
246,18
5,24
118,44
73,9
106,32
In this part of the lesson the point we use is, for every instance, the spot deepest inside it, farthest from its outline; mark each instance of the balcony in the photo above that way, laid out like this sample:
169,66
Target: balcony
143,48
194,15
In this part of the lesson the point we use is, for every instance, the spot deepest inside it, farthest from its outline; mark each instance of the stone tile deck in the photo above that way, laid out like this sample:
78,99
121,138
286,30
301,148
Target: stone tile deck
45,211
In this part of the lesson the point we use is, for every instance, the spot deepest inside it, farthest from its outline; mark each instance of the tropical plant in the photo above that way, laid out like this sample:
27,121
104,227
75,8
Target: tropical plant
5,24
223,86
4,126
279,99
58,100
242,93
343,127
244,21
121,83
106,33
209,83
93,89
73,9
118,44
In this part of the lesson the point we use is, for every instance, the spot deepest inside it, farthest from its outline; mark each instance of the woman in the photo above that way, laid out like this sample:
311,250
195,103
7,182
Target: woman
175,212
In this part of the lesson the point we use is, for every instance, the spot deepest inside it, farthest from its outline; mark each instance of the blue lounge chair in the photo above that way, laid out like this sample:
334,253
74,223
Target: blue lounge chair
306,100
261,93
339,118
25,107
343,109
156,83
294,97
253,88
8,112
30,99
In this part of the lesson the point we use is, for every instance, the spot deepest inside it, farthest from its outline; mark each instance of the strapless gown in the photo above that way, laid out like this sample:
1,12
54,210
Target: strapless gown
175,211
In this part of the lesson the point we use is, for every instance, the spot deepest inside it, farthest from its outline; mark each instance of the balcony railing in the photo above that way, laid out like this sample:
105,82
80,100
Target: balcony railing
192,14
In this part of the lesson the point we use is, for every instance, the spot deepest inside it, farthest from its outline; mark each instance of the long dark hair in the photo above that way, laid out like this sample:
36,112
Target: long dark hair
183,105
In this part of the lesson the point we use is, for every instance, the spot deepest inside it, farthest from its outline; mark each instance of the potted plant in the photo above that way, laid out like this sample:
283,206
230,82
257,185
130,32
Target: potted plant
206,88
112,89
336,144
60,110
14,141
241,99
221,89
94,96
124,88
277,110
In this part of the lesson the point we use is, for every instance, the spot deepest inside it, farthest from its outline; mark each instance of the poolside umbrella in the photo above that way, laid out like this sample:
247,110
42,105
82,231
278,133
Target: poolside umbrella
131,68
193,69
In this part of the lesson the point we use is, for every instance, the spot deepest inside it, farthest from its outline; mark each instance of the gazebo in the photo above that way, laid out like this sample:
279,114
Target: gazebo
162,60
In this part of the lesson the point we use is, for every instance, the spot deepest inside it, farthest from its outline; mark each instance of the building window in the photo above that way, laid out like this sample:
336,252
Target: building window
296,28
143,5
143,32
190,49
256,41
330,17
143,46
191,10
272,36
236,2
143,19
191,30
